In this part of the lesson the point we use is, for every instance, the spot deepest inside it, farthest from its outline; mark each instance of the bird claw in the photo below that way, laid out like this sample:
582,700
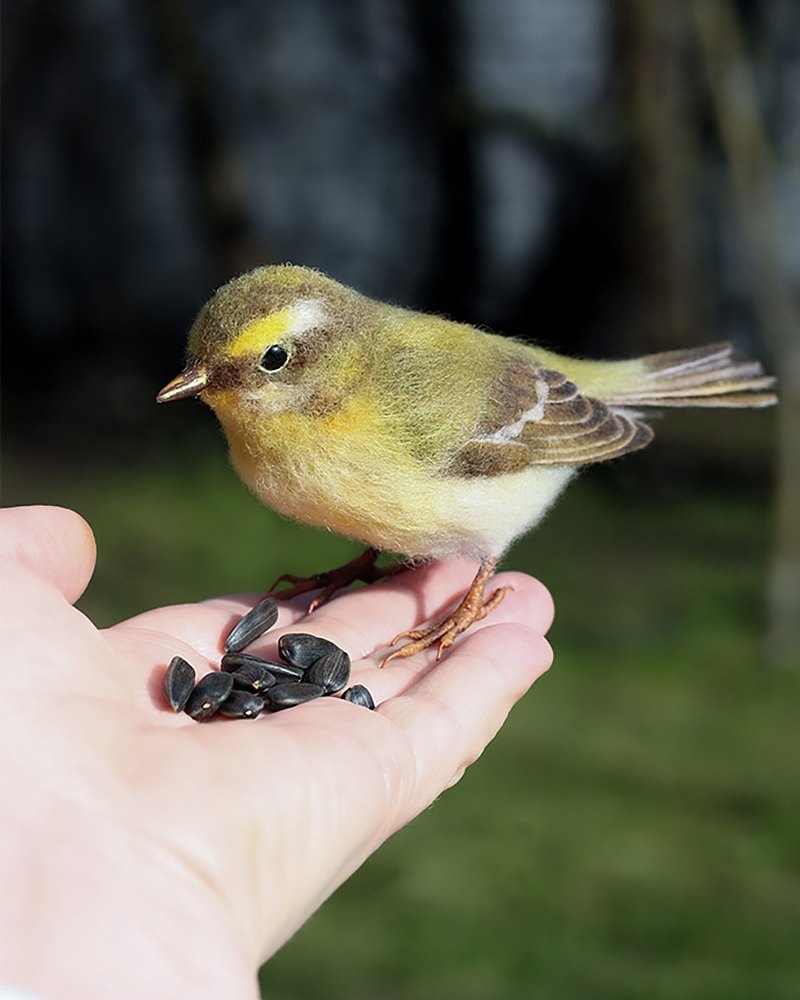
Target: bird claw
472,608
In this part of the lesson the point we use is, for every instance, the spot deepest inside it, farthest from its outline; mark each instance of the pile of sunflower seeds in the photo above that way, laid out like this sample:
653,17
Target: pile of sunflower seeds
248,685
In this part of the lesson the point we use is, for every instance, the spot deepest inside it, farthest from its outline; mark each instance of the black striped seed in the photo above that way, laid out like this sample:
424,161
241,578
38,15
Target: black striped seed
252,626
359,695
331,671
209,694
179,682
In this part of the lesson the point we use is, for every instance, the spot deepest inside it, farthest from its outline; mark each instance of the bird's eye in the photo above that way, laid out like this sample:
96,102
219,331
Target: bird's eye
274,358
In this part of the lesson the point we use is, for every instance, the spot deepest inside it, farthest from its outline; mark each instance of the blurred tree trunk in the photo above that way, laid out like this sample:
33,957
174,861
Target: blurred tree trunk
455,256
672,307
752,171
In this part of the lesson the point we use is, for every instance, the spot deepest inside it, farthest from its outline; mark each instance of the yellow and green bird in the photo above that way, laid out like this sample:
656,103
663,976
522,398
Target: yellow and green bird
415,434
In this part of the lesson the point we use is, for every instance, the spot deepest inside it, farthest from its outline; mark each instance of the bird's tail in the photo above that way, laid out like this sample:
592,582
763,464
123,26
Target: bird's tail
698,376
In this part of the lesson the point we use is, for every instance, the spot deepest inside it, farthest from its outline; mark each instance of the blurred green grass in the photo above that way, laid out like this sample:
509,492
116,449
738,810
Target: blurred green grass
633,831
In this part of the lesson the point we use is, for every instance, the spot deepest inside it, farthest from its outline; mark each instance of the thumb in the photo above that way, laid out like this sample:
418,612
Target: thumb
54,543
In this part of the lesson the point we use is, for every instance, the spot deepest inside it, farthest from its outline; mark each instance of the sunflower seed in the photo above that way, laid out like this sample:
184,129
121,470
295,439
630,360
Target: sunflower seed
252,677
232,661
251,626
331,671
209,694
178,682
301,649
241,705
292,693
359,695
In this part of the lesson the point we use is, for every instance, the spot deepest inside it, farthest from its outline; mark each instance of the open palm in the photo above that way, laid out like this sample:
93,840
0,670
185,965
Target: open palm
169,857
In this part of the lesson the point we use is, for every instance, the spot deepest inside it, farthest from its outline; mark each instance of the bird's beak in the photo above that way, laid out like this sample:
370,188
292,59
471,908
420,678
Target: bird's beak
190,382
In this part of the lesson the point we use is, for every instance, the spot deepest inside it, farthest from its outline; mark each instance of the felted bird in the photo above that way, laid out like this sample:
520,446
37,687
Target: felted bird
414,434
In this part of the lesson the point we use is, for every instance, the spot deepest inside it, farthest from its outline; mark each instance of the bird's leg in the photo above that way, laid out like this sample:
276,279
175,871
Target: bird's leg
361,568
472,608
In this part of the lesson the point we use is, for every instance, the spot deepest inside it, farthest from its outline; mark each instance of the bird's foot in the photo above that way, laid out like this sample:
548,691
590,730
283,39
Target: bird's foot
472,608
361,568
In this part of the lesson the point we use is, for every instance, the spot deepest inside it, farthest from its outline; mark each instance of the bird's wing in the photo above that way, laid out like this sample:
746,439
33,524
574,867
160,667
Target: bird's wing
537,416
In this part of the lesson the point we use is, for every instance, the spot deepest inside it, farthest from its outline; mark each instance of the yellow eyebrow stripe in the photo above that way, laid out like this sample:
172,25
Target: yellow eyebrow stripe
258,335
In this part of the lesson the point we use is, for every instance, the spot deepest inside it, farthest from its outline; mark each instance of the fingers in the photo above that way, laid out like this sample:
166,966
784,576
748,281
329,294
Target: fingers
361,622
54,543
378,612
527,602
364,620
450,715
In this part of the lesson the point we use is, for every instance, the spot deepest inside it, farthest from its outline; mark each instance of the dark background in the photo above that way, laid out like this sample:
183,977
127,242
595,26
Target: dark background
557,170
607,177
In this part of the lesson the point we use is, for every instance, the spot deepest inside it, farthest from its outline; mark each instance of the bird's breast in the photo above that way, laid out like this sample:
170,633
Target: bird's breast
349,473
343,471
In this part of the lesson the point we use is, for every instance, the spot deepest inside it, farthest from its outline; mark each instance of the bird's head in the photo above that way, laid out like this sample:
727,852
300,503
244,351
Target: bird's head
279,338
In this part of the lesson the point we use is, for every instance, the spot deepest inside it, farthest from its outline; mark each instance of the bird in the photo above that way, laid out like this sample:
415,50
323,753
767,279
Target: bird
415,434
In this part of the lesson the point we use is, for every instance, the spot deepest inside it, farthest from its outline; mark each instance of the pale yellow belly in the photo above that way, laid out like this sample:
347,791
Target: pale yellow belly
398,508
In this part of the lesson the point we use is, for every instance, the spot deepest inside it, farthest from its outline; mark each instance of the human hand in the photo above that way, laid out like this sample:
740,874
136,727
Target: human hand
145,854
